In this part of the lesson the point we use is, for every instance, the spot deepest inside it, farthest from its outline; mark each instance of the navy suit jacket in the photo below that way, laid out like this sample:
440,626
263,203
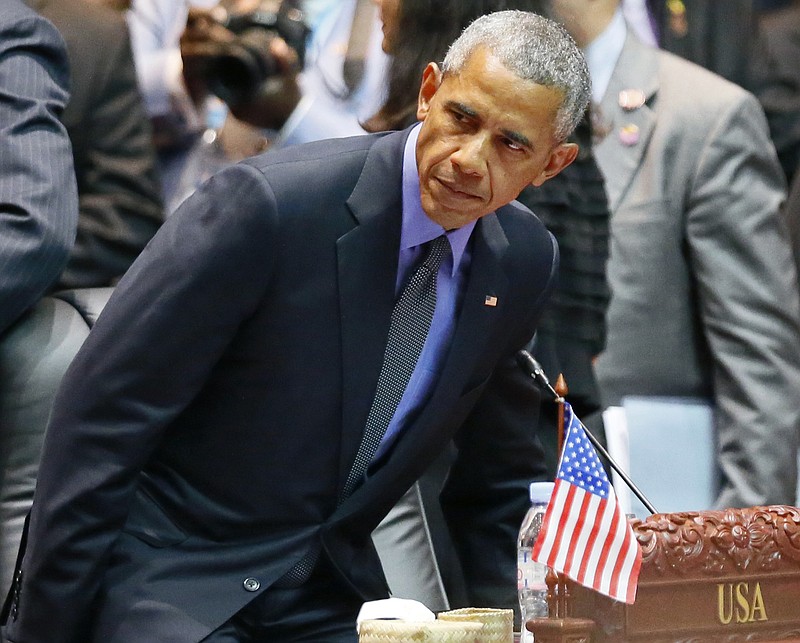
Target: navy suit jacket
205,430
38,201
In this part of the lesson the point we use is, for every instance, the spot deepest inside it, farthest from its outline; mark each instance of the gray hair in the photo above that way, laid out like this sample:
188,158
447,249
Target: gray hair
535,49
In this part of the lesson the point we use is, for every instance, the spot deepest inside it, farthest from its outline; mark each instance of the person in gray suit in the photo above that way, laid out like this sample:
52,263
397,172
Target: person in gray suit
704,290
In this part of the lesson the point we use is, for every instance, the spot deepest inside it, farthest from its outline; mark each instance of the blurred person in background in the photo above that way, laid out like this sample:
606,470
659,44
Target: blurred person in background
49,240
344,77
118,185
716,35
775,78
215,77
704,294
38,198
38,222
776,82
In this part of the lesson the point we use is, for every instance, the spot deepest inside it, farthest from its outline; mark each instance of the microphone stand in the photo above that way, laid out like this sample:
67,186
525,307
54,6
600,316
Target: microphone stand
535,370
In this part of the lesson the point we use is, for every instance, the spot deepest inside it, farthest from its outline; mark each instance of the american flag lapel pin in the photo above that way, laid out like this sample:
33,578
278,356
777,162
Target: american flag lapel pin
490,300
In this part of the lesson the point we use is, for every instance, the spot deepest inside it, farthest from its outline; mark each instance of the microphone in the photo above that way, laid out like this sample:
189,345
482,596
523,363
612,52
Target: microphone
533,368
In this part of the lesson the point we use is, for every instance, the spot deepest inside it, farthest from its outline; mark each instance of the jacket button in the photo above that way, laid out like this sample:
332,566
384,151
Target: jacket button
251,584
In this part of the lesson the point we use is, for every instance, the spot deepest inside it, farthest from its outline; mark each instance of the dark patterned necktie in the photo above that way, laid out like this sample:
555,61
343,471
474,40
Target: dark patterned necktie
410,322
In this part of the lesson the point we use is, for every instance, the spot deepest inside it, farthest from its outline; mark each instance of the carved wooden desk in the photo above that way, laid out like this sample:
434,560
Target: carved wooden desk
707,577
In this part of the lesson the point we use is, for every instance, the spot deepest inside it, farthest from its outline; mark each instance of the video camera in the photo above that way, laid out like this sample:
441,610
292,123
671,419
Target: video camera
237,72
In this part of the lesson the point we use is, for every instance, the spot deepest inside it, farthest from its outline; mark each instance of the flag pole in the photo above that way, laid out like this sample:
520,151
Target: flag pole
561,390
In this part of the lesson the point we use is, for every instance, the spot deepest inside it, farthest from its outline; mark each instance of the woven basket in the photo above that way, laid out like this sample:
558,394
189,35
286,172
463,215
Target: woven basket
498,624
383,631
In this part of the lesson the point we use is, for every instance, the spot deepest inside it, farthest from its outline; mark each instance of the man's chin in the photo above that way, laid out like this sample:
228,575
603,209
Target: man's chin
452,219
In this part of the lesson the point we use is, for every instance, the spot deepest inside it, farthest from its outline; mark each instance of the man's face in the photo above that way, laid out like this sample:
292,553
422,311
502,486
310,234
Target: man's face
486,135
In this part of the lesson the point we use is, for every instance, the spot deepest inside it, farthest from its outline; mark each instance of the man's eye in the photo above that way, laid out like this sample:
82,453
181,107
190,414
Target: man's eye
512,145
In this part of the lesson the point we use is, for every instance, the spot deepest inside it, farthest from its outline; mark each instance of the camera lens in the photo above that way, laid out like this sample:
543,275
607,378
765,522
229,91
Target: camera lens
242,68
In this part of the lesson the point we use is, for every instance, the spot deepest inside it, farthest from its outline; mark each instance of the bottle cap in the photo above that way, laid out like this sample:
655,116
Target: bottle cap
541,491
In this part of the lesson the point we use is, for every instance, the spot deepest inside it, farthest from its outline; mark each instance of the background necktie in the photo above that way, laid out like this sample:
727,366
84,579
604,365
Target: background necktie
410,322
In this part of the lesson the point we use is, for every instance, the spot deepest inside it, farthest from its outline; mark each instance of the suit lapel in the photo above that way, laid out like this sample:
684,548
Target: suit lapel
620,153
419,443
486,278
367,259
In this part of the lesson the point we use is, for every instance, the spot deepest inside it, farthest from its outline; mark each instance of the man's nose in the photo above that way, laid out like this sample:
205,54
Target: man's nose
471,156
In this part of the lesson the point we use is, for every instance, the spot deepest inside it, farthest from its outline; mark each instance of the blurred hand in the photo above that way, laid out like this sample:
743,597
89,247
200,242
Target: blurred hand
206,38
203,39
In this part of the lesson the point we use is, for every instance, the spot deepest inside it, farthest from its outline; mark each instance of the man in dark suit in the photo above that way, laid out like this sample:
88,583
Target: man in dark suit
38,207
203,478
117,212
776,81
119,191
38,218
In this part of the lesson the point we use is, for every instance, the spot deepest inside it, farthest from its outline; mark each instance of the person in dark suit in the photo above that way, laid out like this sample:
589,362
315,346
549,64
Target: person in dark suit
118,188
775,79
38,203
38,219
716,35
195,482
573,206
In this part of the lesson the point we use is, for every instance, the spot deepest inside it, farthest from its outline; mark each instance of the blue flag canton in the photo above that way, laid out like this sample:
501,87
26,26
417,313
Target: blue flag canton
580,465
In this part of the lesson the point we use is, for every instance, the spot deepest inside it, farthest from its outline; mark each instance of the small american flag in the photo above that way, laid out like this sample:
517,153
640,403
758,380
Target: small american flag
585,534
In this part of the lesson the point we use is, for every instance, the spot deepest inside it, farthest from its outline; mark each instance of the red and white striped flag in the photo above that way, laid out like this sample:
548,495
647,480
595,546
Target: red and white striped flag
585,534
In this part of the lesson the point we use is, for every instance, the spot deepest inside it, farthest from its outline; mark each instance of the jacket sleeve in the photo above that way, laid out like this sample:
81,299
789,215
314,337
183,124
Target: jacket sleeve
748,301
148,355
38,201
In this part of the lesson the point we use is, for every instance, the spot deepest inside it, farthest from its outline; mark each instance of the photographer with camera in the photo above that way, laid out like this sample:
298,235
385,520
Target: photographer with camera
248,54
198,59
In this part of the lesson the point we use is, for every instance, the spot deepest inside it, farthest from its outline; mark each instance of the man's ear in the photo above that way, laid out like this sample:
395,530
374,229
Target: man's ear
431,79
560,157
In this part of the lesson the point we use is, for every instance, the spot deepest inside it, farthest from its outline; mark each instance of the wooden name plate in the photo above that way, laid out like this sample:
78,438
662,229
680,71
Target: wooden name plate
707,576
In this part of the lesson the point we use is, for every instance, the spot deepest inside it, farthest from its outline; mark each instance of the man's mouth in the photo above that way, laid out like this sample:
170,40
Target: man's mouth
457,191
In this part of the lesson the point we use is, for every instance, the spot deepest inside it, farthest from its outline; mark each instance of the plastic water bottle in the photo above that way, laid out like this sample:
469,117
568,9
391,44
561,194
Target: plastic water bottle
531,584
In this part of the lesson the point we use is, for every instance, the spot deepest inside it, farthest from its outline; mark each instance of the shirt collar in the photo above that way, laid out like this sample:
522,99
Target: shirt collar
637,15
417,227
603,52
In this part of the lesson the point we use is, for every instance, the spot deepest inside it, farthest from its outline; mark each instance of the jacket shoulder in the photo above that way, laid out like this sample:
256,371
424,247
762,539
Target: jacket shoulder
681,77
323,151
